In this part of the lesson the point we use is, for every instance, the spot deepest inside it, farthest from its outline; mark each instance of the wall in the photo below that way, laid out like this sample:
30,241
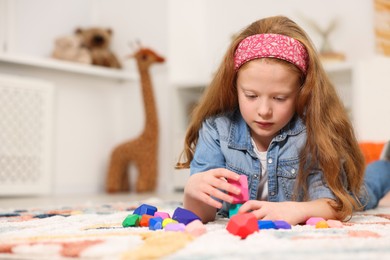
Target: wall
371,98
200,30
93,115
192,34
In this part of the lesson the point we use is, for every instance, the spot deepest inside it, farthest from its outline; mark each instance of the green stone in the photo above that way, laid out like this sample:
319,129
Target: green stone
234,209
131,221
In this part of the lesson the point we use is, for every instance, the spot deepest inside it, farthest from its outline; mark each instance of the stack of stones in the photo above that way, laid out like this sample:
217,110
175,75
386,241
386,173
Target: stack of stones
148,216
245,224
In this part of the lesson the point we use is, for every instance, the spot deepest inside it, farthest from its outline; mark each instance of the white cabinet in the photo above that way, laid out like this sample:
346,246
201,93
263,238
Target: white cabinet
186,94
26,130
91,114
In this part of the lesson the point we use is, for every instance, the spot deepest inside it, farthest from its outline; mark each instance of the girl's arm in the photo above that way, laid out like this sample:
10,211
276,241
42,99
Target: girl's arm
290,211
203,192
204,211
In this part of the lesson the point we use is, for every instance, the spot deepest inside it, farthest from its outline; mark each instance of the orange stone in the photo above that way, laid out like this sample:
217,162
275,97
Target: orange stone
145,220
322,224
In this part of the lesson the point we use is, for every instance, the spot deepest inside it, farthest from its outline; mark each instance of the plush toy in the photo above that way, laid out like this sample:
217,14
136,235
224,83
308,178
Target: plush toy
98,40
141,151
69,48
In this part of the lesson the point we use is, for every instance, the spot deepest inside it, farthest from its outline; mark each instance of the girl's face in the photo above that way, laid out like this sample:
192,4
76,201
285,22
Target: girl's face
267,92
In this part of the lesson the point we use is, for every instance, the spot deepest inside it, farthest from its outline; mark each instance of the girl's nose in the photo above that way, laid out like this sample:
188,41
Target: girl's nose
264,109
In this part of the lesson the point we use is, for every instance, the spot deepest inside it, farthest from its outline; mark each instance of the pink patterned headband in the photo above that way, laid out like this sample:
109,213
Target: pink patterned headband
271,46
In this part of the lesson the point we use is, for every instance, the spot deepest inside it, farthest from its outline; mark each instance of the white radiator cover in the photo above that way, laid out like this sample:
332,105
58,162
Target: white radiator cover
26,135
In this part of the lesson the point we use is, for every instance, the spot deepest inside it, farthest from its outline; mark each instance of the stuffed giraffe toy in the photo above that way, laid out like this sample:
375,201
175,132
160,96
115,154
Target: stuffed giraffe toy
143,150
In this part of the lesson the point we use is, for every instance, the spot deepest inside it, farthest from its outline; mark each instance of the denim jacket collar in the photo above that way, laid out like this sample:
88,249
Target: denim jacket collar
239,133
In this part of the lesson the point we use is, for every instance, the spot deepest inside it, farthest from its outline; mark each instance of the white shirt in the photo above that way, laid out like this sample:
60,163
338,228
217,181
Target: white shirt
262,190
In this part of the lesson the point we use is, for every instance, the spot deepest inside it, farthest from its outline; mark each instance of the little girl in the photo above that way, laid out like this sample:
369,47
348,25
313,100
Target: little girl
272,114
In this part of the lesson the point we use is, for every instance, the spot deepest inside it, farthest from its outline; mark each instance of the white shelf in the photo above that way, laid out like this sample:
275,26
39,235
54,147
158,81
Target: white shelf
67,66
191,84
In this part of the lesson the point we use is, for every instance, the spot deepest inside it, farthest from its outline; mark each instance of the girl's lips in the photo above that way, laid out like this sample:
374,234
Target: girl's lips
264,124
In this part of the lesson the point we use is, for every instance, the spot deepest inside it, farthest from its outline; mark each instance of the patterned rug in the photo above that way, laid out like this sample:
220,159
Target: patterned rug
96,232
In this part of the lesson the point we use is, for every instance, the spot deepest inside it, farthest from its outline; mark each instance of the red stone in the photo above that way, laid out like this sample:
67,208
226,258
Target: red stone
242,225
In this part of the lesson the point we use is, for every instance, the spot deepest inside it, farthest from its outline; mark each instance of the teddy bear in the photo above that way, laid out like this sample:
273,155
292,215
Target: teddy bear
69,47
97,41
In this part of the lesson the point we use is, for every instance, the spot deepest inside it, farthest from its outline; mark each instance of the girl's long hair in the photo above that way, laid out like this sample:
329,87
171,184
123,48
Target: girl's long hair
331,143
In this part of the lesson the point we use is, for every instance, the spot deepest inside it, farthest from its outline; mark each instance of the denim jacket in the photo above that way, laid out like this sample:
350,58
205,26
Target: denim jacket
225,142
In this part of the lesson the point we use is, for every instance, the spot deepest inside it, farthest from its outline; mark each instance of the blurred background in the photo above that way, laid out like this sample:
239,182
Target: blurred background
60,120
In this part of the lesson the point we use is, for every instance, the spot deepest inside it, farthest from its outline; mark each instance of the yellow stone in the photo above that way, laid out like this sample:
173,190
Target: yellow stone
168,221
322,224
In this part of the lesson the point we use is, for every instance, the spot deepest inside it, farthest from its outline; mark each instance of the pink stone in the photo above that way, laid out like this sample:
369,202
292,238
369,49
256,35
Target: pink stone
313,221
334,223
196,228
242,184
162,215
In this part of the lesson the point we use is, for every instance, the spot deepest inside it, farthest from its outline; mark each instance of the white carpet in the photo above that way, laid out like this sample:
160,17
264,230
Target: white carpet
94,232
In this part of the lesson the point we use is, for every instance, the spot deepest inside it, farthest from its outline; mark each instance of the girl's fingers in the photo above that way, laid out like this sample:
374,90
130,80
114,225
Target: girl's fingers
223,185
210,201
212,186
209,194
227,174
220,180
259,214
216,193
244,207
250,205
256,207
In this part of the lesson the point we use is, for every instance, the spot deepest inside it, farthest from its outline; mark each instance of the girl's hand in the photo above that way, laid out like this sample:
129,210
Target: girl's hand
209,185
290,212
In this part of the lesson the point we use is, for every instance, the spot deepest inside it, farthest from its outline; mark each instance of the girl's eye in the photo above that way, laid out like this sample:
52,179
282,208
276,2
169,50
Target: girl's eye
251,96
280,98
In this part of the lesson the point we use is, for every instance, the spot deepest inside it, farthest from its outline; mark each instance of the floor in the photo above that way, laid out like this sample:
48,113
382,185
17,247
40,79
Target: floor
74,200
